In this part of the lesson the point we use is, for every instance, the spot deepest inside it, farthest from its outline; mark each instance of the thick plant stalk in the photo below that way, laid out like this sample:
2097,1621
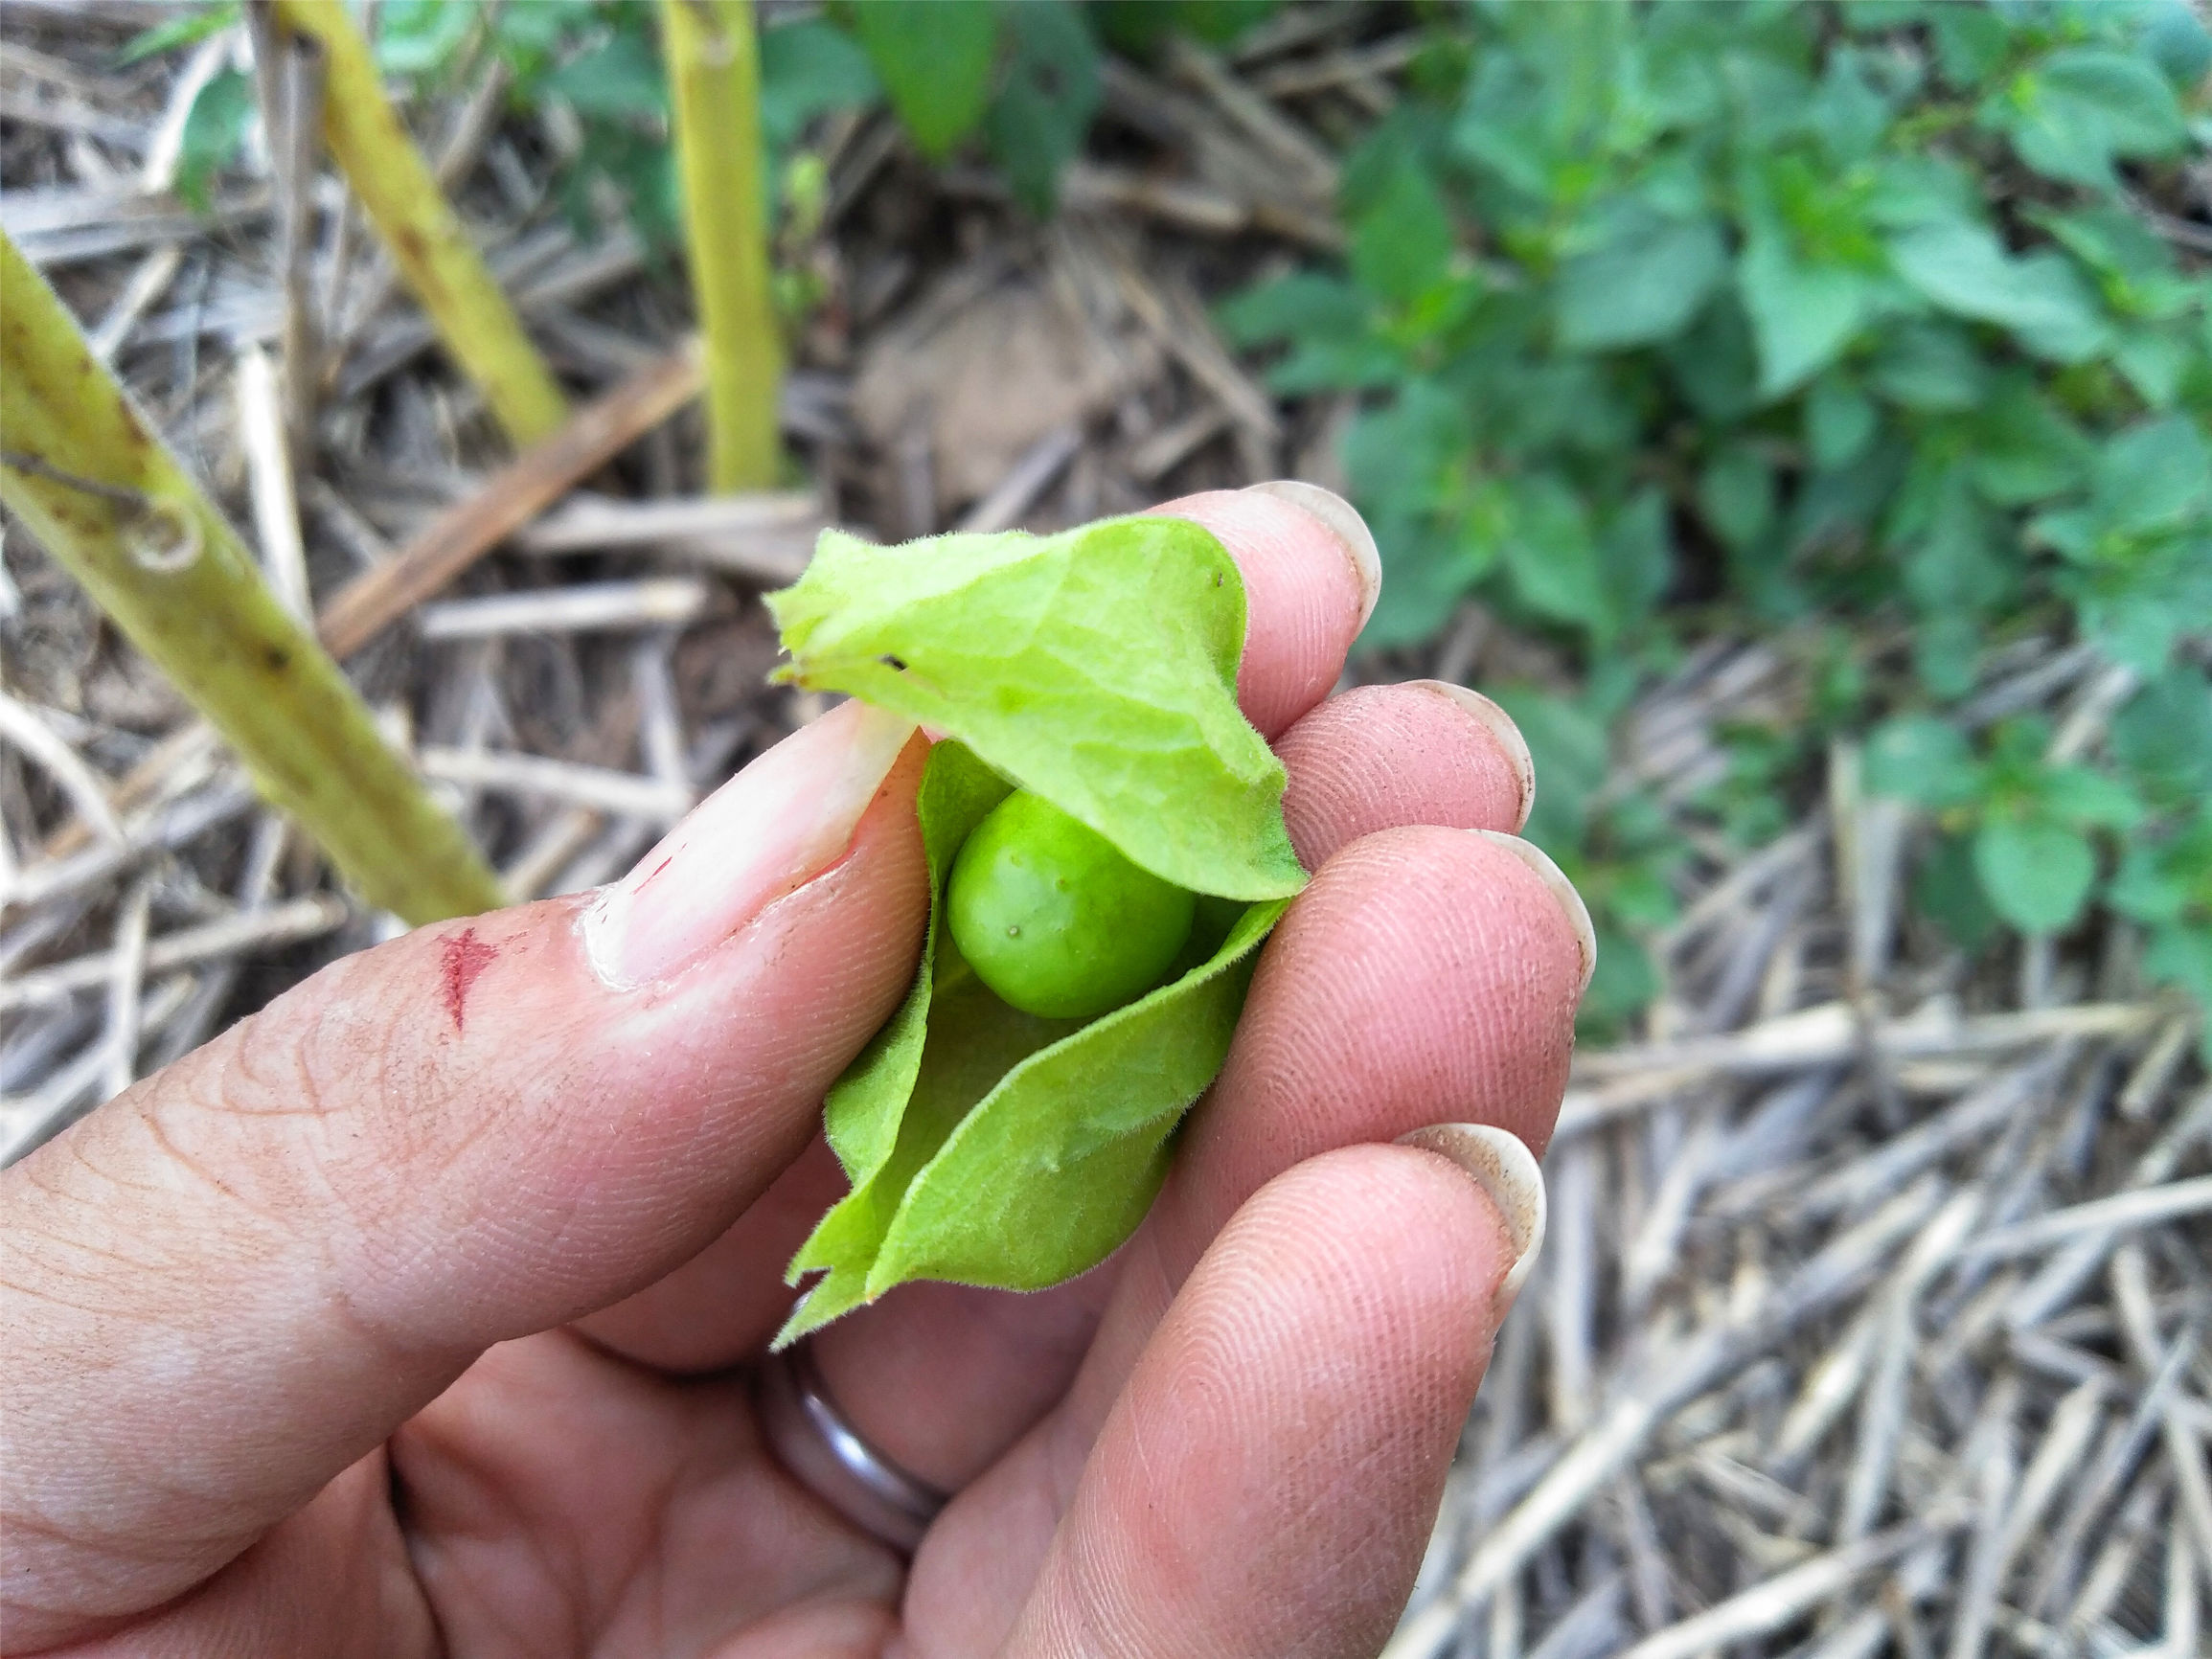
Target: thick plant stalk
715,73
83,468
419,227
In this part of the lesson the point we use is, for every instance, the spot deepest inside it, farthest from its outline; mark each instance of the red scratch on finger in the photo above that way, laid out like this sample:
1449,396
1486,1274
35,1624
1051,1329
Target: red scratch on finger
464,957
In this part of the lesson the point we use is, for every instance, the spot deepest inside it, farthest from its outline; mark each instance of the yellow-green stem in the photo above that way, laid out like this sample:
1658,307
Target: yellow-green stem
81,468
421,230
715,74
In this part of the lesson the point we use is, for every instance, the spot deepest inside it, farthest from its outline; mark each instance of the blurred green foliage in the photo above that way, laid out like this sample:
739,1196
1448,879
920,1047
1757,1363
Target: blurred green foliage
1814,321
1018,77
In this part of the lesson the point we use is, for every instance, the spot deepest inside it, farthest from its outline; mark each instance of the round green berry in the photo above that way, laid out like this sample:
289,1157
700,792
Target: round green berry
1054,919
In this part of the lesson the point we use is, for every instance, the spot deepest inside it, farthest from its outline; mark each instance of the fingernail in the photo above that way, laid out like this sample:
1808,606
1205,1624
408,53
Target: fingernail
1561,889
773,828
1500,725
1503,1167
1342,517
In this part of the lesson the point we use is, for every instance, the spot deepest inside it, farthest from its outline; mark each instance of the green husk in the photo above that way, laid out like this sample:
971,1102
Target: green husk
985,1146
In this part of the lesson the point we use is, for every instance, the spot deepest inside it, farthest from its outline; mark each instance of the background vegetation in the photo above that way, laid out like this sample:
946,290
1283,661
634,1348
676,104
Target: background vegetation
1863,328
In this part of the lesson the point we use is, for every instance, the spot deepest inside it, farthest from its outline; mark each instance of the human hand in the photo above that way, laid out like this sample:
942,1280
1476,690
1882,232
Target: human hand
418,1313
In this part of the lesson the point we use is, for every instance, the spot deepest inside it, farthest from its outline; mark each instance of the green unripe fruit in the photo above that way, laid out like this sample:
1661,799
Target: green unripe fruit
1054,919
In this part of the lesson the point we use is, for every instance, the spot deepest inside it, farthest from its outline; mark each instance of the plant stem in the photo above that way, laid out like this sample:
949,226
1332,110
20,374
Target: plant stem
713,72
421,230
81,468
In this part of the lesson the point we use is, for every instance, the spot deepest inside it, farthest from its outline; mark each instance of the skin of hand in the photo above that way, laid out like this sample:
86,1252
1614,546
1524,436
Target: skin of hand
412,1316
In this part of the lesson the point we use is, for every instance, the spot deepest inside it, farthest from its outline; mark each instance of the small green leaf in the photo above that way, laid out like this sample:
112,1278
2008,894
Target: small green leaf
1096,668
1644,283
189,29
1929,366
1736,492
1402,241
1969,42
2025,449
1945,890
2083,799
1572,756
1042,113
808,69
2152,475
1552,554
2164,735
1840,420
2181,955
2037,874
1923,760
1623,980
1802,315
935,58
622,76
419,38
2073,114
1963,268
215,128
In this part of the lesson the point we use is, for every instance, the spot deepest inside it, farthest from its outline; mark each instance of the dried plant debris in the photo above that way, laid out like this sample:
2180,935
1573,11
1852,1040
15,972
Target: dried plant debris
1876,1311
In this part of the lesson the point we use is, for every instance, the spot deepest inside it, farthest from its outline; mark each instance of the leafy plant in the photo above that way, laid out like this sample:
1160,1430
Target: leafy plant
1095,670
1798,311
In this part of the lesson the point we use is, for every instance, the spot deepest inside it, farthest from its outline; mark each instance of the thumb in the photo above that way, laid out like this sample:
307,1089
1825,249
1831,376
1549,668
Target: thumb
237,1278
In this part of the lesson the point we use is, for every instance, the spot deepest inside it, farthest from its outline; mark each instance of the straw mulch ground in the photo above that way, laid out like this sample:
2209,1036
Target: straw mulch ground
1873,1312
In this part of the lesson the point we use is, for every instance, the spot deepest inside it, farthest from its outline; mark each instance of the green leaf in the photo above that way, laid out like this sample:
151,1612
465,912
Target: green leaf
1955,569
2037,874
1928,366
1923,760
1848,113
623,77
1964,269
1552,554
1571,752
935,58
1736,494
2026,450
988,1146
1802,315
215,128
808,69
1636,556
1623,980
2164,735
1402,241
2070,115
1644,283
1839,421
1294,306
2156,358
2182,955
1715,366
2152,475
1043,111
1945,890
1096,668
419,38
1969,42
189,29
2146,886
2179,43
2080,798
